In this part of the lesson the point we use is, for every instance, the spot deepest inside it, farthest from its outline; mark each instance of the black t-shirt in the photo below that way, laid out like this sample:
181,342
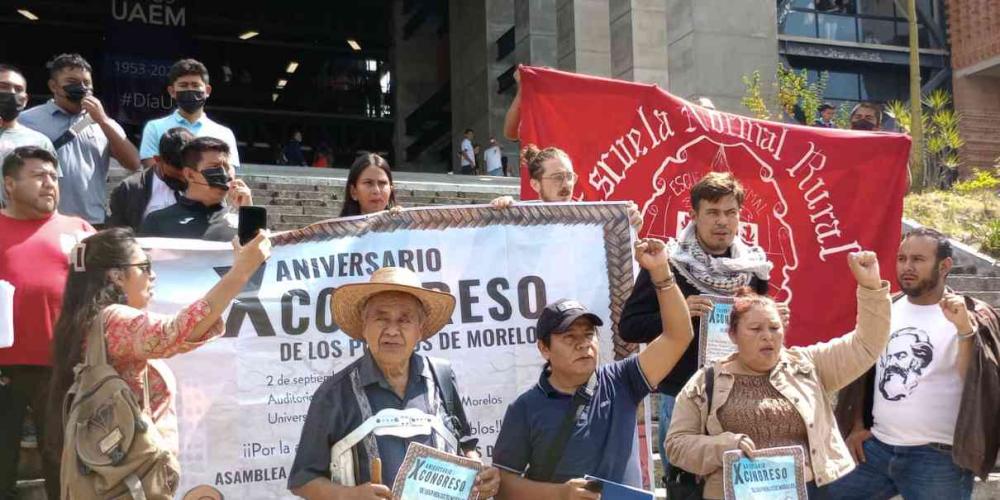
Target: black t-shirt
640,322
184,219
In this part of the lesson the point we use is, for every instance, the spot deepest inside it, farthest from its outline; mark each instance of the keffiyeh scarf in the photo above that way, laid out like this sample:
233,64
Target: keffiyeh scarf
717,275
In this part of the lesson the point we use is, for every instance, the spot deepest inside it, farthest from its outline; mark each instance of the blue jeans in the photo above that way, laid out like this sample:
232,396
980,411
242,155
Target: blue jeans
915,472
666,412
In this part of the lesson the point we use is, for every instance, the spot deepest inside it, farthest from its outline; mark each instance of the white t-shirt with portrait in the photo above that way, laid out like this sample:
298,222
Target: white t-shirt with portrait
468,152
918,388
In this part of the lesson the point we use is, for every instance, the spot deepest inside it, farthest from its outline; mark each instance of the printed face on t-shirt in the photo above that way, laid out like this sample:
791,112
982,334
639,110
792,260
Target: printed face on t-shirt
909,351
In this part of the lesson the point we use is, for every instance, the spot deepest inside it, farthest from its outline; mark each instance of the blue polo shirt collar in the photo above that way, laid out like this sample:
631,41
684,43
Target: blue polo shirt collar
184,121
54,109
369,373
552,393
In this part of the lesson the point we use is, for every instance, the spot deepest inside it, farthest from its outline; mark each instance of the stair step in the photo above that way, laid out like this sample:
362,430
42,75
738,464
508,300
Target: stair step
31,489
966,283
990,297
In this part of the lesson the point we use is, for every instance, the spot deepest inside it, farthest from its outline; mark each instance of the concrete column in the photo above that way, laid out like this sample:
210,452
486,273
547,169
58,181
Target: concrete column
475,26
418,72
639,40
584,34
713,43
535,32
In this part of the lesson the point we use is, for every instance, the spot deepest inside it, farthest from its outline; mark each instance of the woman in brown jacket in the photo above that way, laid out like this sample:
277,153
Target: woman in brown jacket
766,395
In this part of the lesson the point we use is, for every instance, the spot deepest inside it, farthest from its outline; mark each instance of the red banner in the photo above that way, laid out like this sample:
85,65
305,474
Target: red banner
813,194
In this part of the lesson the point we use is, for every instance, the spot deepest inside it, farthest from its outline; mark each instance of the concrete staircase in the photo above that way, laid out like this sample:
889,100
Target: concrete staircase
298,196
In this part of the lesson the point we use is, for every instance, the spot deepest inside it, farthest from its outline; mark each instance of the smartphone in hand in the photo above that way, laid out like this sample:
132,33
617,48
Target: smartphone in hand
251,221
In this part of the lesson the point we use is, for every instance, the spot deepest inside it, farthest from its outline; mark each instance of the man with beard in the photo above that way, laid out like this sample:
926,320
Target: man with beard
932,423
34,244
155,188
13,98
189,87
84,136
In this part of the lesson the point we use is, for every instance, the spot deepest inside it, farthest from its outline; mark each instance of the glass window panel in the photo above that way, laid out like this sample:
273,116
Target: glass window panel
802,4
842,86
834,27
878,31
876,7
881,86
800,24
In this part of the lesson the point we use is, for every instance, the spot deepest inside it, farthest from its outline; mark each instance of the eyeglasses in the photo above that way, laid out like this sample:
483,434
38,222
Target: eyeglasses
145,267
561,177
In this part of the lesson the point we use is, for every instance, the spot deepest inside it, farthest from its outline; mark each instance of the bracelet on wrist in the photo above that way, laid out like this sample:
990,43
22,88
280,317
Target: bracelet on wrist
964,336
666,283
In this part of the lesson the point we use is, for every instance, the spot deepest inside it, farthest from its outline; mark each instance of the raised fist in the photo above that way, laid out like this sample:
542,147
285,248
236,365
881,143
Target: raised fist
864,265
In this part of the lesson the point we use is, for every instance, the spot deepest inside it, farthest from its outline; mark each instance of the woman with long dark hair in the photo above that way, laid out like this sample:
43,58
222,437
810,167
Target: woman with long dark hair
111,280
369,186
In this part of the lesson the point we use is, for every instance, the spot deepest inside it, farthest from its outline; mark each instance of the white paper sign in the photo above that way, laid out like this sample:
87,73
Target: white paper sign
6,314
713,334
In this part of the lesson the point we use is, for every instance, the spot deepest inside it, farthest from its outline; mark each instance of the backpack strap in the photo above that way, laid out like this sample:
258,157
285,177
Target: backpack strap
547,469
444,386
97,349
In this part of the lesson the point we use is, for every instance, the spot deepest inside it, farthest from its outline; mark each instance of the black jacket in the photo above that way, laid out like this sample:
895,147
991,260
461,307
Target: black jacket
641,322
185,219
129,199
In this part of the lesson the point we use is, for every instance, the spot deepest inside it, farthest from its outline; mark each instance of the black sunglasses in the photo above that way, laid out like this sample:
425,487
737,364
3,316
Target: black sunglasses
145,267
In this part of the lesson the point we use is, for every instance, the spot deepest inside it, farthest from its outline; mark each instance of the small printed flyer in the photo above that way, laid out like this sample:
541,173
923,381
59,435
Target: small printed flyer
772,474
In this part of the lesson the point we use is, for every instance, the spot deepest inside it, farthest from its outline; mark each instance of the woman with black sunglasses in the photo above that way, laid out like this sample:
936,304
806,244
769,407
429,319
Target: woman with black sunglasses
111,280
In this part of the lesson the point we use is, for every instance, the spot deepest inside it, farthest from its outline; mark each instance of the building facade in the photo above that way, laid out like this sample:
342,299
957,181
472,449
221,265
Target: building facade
705,47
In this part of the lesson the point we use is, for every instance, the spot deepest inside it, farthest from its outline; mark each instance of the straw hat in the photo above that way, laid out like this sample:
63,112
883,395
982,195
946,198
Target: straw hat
348,301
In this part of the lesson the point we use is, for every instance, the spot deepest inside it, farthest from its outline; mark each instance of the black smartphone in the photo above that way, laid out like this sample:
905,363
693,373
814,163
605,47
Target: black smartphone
252,220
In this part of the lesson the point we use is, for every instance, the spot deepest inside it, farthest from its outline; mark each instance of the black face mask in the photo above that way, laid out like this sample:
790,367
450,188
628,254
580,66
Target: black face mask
10,106
191,100
217,177
75,92
173,183
862,125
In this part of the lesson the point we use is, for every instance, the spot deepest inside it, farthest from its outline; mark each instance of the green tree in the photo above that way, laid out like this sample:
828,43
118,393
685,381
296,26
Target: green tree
941,140
791,95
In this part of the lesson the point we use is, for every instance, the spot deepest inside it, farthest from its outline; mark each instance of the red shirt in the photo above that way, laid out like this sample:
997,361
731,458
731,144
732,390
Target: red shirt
34,257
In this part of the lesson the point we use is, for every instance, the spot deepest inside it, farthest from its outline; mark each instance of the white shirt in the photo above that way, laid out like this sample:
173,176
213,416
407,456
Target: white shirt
161,197
492,157
917,385
468,152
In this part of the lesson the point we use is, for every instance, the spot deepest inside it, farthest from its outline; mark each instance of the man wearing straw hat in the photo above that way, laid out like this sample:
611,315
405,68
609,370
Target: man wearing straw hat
362,419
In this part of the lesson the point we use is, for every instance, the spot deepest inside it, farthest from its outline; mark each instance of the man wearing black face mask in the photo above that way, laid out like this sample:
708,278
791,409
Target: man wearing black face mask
155,188
188,86
84,136
866,116
13,98
207,209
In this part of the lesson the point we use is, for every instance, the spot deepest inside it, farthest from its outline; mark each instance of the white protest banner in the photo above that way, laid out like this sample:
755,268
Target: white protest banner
242,399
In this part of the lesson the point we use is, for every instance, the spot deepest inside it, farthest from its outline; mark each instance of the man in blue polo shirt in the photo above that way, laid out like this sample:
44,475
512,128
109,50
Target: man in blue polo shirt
188,86
593,409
